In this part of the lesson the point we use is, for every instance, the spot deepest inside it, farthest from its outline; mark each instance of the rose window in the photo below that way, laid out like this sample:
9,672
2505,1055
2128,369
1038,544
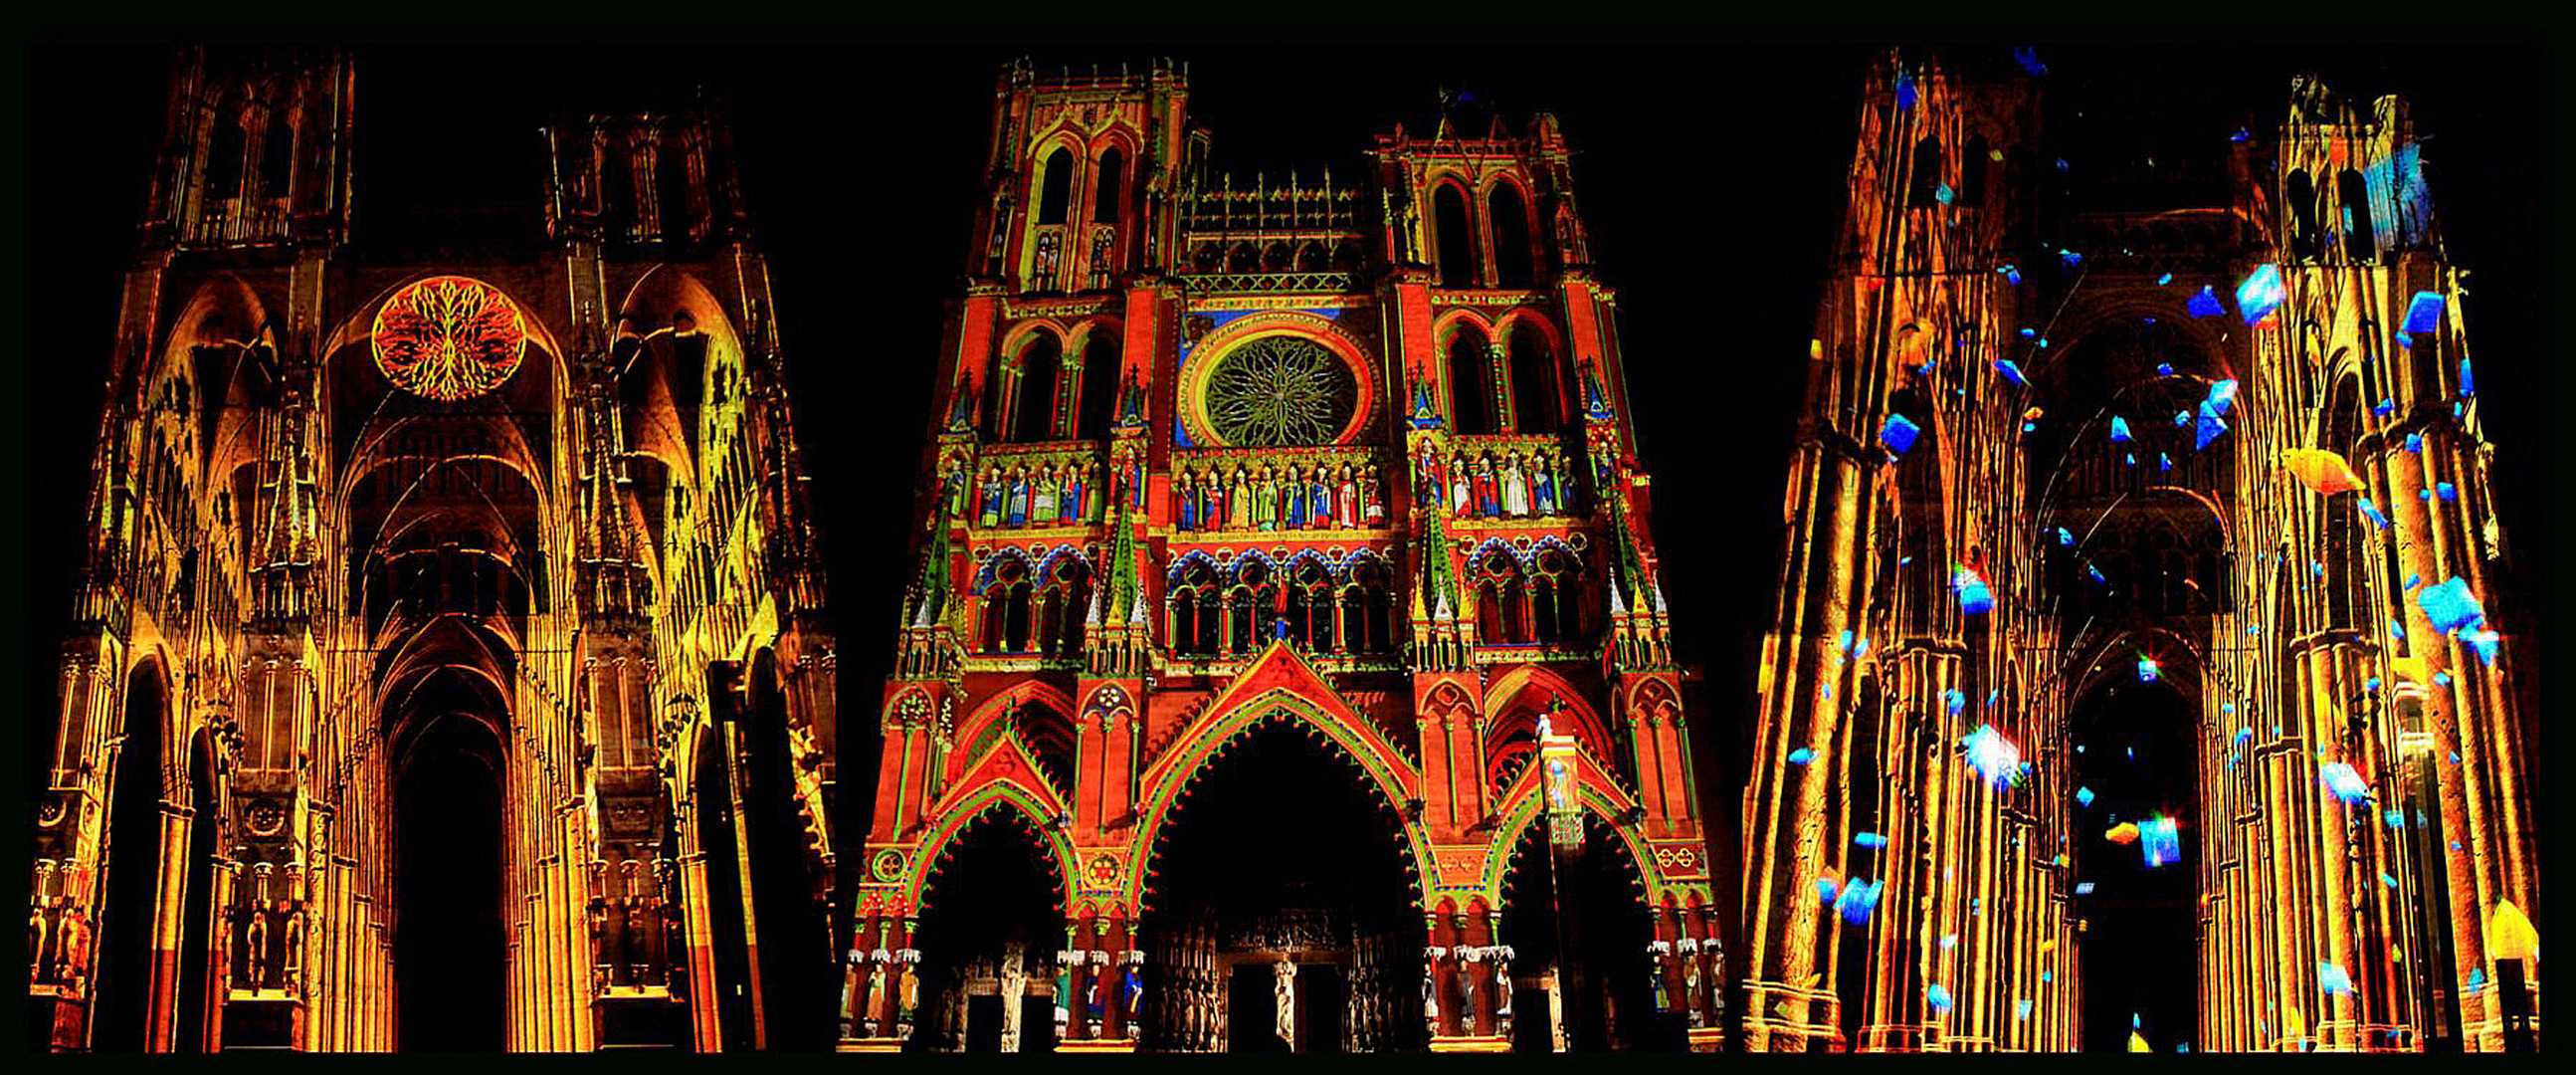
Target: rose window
1280,391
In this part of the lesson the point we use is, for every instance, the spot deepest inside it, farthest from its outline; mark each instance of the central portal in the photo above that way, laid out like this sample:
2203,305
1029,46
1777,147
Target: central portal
1281,918
448,941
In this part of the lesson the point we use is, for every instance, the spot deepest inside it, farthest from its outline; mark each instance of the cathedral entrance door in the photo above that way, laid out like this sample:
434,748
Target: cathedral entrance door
448,938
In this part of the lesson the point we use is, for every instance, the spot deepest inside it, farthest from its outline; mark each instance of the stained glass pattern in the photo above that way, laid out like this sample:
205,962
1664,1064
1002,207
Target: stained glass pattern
449,338
1278,391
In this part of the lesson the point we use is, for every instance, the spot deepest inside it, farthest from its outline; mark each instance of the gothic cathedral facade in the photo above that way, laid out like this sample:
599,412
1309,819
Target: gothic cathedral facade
2130,613
1329,473
447,665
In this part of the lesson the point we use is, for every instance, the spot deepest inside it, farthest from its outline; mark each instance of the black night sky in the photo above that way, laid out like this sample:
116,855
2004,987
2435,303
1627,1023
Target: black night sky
1711,172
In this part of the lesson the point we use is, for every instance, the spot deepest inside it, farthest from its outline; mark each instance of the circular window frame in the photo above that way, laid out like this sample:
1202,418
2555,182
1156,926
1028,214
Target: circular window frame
1219,345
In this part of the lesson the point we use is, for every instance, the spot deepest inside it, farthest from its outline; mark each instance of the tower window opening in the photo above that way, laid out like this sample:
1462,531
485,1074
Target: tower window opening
1055,187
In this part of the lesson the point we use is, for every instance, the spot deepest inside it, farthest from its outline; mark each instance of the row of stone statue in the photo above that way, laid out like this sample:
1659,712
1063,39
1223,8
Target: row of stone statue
1258,497
1043,494
1484,486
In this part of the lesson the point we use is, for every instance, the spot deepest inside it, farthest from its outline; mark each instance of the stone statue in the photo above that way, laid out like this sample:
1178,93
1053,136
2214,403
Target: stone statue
1516,498
1284,1001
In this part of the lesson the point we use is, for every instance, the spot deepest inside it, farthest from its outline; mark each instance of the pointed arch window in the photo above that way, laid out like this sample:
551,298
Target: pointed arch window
1556,598
1455,237
1512,253
1249,606
1100,355
1471,390
1061,602
1033,413
224,157
1195,612
1972,172
1055,187
276,154
2301,193
1006,608
1536,397
2359,243
1924,187
1310,606
1368,608
1105,188
1502,600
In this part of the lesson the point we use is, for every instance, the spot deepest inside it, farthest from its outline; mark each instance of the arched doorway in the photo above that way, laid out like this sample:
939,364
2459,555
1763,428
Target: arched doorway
2137,847
121,998
990,928
1281,854
711,798
449,944
197,900
1578,927
799,986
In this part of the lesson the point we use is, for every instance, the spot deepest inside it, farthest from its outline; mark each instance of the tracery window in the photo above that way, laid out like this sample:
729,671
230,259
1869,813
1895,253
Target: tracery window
1100,355
1368,608
1033,419
1249,606
1195,611
1556,597
1055,187
1280,391
1471,391
1060,604
1455,237
1925,189
1310,606
1104,205
1006,607
1535,400
1512,253
1502,599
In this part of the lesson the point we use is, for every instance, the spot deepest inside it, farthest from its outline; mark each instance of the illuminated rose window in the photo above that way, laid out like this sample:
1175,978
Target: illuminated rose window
449,338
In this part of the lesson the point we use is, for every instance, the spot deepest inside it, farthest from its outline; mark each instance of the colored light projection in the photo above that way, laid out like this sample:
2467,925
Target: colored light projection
449,338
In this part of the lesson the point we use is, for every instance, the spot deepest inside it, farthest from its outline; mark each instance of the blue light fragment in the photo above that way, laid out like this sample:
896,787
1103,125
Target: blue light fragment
2084,796
1870,839
2396,819
2021,1008
2165,279
2010,371
2071,258
2163,461
1955,700
2206,303
2415,442
2119,430
2147,670
2483,641
2028,57
2450,605
2064,538
1825,889
2332,979
2083,888
1801,756
1904,89
2424,314
2447,490
2371,512
2133,459
2222,395
2260,294
1975,599
2211,426
1944,194
2096,572
2011,272
2371,684
2164,369
2029,333
2385,407
2468,383
1939,997
1898,434
2385,879
1858,900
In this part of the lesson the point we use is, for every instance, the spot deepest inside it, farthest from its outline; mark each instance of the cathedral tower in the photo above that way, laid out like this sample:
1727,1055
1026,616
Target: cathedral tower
1284,663
446,667
2130,612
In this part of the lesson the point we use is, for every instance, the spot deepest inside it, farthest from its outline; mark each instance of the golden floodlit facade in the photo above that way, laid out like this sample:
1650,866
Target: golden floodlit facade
446,666
2131,683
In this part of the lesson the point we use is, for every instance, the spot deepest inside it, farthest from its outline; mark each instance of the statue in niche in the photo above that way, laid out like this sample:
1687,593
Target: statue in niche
1516,498
1319,494
1462,494
1185,498
293,978
1431,992
1265,501
1295,508
1043,494
1542,485
1465,981
1017,514
1426,477
1373,499
255,949
1284,1000
1488,497
1071,510
38,930
1049,250
71,947
1346,503
1690,986
640,937
1093,501
1238,502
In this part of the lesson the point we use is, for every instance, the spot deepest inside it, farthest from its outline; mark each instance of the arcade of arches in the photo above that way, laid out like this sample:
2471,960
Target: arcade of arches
447,666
